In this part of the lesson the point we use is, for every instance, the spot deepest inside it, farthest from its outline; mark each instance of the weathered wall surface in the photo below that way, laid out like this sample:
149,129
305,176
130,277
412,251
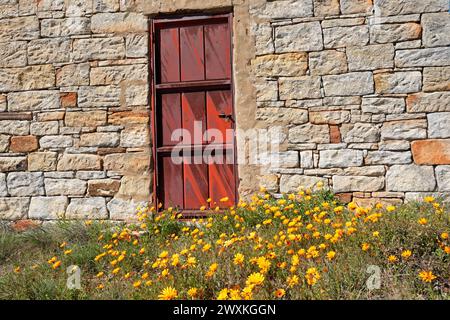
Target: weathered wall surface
361,89
368,85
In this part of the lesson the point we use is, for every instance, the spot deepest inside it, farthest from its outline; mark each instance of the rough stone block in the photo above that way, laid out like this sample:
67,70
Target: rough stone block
134,136
427,57
14,208
283,9
23,144
136,45
436,29
47,208
355,6
309,133
129,163
51,142
279,116
327,62
43,51
436,79
65,27
388,157
398,82
329,117
404,130
439,125
428,102
293,183
431,152
27,78
65,187
386,33
70,162
360,132
339,37
98,49
25,184
124,209
299,37
341,158
116,74
307,87
348,84
103,187
15,127
136,188
99,139
411,177
121,22
42,161
326,8
85,118
383,105
87,208
73,75
19,28
443,178
8,164
370,57
286,64
392,8
13,54
44,128
97,97
357,183
33,100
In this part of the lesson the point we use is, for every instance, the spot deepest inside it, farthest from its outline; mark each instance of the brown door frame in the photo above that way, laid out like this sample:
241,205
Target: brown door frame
179,20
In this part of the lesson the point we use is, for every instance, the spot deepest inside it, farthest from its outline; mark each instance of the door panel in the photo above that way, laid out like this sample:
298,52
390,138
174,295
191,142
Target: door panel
217,51
192,53
219,103
194,116
170,116
195,185
172,179
169,55
221,184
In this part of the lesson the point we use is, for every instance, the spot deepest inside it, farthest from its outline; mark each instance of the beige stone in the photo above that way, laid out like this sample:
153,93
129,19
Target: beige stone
100,139
98,49
122,22
8,164
87,208
286,64
279,116
73,75
14,208
329,117
293,183
135,135
436,79
20,28
357,183
117,74
69,162
27,78
103,187
398,82
307,87
327,62
33,100
299,37
309,133
326,7
129,117
85,118
135,187
370,57
48,208
385,33
127,163
13,54
339,37
42,161
43,51
355,6
428,102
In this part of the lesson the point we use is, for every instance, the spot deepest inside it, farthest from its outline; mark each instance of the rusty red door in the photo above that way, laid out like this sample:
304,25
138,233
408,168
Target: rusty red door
193,114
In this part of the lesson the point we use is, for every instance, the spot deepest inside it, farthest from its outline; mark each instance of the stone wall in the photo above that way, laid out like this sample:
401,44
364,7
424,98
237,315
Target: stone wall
362,90
369,86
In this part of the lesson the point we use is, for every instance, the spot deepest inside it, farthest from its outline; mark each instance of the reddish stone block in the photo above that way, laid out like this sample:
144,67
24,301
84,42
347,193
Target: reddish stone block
24,225
23,144
335,134
431,152
69,99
